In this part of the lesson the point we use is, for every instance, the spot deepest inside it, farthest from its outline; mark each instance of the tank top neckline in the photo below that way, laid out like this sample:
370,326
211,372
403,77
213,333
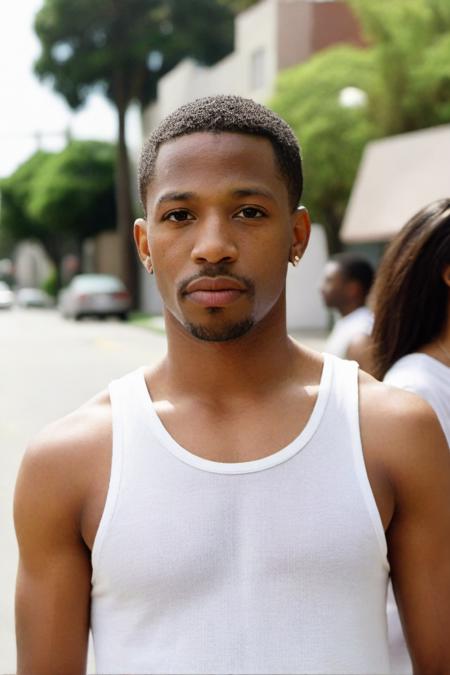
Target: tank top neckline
249,466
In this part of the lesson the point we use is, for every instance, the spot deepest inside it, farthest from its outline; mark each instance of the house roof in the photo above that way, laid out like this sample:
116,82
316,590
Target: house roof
397,177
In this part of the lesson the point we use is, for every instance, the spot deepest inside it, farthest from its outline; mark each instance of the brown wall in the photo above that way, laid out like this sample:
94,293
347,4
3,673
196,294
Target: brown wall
305,27
334,22
295,27
107,254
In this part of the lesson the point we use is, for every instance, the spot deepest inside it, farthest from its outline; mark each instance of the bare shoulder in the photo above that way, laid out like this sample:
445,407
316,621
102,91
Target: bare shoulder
61,463
400,429
61,471
360,350
74,439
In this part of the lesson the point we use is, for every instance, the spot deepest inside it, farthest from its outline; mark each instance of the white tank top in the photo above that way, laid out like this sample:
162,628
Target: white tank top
276,565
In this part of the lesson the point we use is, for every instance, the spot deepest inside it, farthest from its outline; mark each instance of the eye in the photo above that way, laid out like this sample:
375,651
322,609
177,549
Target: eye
178,216
250,212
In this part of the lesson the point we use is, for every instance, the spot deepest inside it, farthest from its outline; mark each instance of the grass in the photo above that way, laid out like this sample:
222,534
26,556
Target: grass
143,320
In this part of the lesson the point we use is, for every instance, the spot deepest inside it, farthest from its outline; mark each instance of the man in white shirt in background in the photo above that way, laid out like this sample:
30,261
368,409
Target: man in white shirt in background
346,284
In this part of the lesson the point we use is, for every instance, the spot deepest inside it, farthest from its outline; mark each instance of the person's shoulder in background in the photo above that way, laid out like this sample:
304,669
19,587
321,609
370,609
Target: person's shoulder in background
428,378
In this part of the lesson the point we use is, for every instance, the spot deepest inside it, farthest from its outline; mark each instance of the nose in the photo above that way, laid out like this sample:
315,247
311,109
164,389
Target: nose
214,242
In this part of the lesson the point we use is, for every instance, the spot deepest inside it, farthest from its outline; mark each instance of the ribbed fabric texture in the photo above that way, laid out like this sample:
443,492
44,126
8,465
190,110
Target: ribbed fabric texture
427,377
272,566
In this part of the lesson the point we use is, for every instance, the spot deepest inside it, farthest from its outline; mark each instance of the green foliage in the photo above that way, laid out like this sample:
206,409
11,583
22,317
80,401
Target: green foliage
74,192
331,136
17,223
239,5
428,98
104,42
410,43
6,244
69,194
50,284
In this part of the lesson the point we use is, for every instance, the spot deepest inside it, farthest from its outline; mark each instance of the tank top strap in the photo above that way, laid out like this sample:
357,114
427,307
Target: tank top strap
346,392
125,396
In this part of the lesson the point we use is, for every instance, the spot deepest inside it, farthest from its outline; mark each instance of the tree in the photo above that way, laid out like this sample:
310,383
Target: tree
124,47
61,199
239,5
16,190
410,42
404,73
332,136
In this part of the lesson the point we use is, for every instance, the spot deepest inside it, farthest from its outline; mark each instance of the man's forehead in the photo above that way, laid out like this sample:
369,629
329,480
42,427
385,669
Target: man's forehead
226,142
201,157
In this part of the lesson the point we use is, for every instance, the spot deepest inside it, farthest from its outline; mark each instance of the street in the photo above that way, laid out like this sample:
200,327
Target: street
48,367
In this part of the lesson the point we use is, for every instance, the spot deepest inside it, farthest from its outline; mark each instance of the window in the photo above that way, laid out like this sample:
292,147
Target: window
257,68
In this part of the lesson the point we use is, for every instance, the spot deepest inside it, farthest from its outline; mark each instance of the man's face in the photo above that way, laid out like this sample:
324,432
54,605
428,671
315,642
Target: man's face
219,232
334,286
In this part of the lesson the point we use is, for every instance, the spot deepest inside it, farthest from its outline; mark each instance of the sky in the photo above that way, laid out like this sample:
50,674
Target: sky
29,107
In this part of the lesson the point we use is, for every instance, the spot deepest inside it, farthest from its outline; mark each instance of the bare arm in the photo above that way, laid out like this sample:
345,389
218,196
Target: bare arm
417,463
53,583
360,350
59,498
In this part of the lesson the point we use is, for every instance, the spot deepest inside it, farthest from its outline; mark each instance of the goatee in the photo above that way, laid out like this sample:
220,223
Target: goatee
223,334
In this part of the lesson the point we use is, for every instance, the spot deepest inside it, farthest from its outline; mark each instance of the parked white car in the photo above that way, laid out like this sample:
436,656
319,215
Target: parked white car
6,296
33,297
98,295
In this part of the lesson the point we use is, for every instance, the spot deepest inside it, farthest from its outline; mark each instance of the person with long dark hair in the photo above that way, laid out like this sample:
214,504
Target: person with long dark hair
411,333
411,336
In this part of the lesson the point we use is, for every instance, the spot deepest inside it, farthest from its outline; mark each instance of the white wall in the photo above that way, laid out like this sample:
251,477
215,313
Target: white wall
32,265
149,294
305,309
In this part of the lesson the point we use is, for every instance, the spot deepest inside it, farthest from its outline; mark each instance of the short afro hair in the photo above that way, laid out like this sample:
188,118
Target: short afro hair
233,114
355,267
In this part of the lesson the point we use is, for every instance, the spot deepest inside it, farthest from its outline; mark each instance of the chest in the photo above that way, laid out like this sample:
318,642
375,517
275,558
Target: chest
275,527
247,431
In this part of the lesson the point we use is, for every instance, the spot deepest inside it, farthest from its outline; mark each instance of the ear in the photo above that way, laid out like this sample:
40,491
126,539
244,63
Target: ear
446,276
142,245
301,229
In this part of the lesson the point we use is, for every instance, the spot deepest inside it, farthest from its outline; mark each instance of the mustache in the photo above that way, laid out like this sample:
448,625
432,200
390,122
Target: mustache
218,270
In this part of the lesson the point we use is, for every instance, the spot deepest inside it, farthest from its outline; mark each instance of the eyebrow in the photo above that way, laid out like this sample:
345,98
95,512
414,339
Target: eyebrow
240,192
175,197
249,192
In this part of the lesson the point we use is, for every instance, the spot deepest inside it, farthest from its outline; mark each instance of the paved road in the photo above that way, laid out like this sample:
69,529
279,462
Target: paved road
47,368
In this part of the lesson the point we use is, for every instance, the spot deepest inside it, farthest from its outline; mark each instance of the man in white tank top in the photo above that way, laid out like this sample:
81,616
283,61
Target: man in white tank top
239,508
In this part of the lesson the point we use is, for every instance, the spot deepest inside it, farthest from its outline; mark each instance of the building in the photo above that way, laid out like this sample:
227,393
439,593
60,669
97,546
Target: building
269,37
32,266
397,176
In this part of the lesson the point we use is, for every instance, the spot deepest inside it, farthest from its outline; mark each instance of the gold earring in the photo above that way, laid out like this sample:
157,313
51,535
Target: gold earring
148,265
296,260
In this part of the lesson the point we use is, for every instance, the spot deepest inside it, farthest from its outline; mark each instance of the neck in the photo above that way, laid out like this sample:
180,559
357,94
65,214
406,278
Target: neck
444,340
350,307
439,348
220,370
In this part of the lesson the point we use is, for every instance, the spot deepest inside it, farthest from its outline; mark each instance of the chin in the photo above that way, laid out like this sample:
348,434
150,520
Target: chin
224,333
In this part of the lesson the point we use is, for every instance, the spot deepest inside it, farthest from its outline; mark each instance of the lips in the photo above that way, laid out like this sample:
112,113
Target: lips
214,291
214,284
